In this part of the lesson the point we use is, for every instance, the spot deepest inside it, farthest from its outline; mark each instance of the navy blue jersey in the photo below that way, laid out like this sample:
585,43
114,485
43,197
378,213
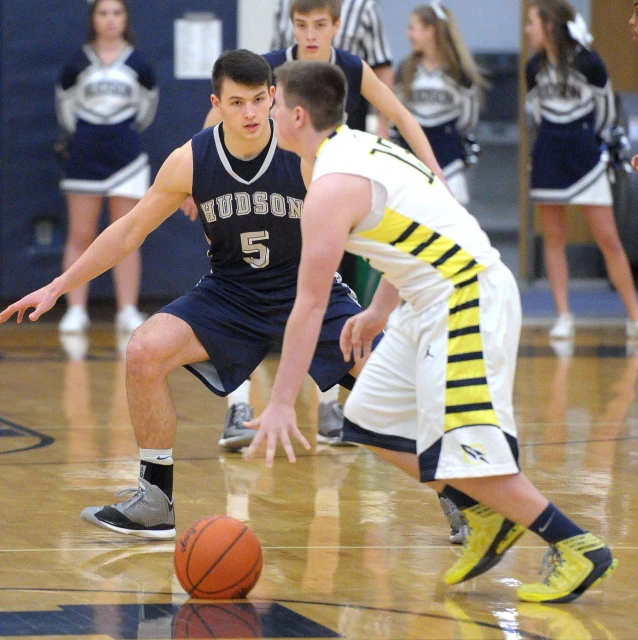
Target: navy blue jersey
253,226
585,91
351,65
570,111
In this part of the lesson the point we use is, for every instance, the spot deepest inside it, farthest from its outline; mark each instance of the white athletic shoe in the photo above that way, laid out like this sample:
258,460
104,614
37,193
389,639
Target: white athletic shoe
75,320
631,330
563,327
75,346
128,319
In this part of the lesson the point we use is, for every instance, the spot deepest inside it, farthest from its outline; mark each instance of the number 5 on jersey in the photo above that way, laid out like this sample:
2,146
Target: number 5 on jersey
251,245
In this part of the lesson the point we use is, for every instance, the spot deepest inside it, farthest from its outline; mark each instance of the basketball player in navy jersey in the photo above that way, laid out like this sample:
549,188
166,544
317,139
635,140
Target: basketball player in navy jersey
315,24
249,195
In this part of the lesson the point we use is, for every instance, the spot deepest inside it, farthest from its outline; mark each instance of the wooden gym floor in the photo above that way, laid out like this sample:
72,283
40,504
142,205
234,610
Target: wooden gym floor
352,547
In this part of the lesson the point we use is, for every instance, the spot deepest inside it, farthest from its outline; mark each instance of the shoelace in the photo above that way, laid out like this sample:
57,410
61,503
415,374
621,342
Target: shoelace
138,493
551,561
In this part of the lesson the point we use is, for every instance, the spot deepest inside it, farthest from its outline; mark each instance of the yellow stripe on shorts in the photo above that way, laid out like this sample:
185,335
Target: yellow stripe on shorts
467,396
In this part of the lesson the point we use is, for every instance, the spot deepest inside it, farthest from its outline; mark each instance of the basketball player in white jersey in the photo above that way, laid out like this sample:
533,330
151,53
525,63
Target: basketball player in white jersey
435,397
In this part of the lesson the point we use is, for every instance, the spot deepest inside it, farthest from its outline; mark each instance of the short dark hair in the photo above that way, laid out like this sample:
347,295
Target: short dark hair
319,87
243,67
306,6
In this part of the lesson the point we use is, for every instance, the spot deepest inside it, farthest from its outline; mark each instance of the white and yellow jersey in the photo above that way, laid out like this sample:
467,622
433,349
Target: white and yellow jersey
417,235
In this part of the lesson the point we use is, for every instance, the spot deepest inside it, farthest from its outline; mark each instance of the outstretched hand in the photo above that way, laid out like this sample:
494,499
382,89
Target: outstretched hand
358,333
277,423
42,300
634,163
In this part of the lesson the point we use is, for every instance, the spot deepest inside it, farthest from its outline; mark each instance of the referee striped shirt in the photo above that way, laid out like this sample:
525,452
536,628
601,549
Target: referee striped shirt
361,31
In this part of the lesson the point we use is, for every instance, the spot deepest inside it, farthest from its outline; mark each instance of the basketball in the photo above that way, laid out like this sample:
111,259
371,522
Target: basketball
218,558
217,620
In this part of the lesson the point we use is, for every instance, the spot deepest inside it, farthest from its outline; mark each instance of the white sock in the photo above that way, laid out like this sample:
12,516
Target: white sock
328,396
241,394
157,456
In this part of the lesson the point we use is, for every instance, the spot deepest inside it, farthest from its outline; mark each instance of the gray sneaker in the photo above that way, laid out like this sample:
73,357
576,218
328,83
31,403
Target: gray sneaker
235,435
458,526
330,424
148,513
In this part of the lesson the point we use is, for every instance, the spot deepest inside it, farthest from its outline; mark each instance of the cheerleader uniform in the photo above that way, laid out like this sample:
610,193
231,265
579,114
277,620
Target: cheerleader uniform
568,164
105,107
444,108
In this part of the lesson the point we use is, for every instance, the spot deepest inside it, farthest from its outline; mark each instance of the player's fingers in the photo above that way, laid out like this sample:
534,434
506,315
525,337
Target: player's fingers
20,315
271,448
7,313
290,452
253,424
345,340
301,438
367,350
254,445
34,315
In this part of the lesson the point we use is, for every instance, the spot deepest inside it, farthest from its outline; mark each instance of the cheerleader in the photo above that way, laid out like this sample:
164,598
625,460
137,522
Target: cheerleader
441,86
106,95
571,100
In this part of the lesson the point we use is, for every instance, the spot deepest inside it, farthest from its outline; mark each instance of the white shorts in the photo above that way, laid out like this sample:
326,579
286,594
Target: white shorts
440,383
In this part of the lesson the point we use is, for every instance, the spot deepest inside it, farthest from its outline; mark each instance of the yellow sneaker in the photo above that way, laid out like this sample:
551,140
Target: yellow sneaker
577,564
488,537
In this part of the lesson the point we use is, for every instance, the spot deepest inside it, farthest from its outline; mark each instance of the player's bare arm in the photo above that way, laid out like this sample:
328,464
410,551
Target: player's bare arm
119,239
381,97
386,75
334,205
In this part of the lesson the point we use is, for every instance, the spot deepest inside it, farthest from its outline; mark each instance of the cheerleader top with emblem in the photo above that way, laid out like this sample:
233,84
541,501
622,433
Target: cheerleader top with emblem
444,108
570,113
105,107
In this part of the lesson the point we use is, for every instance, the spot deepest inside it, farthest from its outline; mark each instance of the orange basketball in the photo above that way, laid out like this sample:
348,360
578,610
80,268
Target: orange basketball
218,558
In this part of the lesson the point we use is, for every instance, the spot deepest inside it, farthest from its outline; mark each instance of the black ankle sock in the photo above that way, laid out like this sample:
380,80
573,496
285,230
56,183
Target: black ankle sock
553,526
161,475
460,499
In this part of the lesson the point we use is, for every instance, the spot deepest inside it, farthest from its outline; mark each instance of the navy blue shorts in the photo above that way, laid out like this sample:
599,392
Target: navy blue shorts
239,332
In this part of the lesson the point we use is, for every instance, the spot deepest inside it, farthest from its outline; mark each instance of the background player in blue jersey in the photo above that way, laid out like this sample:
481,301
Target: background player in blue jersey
106,95
570,96
441,85
361,33
249,194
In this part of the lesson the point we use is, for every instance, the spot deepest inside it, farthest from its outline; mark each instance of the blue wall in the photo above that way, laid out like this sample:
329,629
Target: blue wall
37,39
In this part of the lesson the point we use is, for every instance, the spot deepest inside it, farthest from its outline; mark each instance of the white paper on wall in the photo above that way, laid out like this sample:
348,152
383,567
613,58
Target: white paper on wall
197,44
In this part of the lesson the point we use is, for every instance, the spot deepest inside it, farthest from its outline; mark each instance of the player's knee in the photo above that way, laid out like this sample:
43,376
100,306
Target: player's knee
144,355
610,243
